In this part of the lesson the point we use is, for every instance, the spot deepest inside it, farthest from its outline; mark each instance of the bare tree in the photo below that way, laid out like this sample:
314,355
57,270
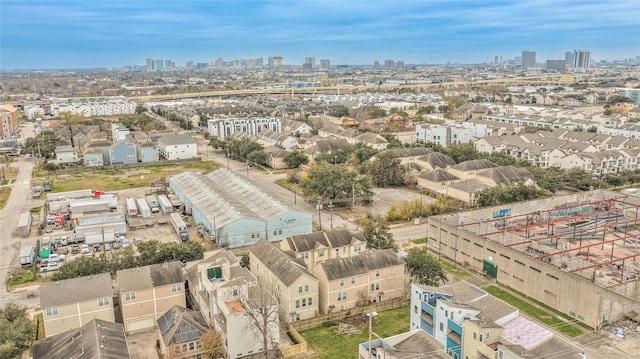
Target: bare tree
263,311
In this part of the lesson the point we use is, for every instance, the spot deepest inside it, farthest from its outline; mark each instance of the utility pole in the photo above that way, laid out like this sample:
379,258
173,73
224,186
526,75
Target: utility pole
319,207
331,212
295,195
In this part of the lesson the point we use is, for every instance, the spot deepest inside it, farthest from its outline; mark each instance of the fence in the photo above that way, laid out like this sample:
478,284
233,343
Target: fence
318,321
78,169
299,348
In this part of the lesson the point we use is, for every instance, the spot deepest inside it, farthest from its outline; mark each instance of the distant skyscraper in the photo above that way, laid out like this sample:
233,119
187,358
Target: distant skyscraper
528,59
278,61
189,65
497,58
150,66
568,58
400,64
309,63
389,64
219,63
325,64
581,59
159,65
376,64
556,65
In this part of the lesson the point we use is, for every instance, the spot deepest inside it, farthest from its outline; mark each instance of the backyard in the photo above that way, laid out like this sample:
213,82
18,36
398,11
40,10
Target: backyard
326,342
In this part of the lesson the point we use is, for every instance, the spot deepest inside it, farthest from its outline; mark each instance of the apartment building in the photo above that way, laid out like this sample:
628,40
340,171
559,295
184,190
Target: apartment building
222,128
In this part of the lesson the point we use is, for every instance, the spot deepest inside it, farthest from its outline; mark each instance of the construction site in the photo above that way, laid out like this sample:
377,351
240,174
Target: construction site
578,253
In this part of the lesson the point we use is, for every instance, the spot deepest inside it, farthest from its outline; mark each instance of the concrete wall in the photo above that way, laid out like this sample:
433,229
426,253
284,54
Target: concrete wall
569,293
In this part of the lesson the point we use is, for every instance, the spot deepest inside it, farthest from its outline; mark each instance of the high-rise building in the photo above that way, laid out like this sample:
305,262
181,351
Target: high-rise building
528,59
495,61
400,64
389,64
159,65
581,59
376,64
278,61
150,65
219,63
325,64
190,65
556,65
568,58
309,63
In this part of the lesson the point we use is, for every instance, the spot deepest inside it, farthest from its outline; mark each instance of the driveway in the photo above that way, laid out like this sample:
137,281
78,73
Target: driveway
143,345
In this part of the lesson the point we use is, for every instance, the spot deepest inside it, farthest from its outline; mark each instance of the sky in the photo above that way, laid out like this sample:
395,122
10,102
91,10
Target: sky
93,33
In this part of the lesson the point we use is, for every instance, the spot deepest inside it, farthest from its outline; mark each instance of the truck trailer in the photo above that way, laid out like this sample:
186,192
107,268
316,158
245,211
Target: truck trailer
27,256
152,201
165,204
179,226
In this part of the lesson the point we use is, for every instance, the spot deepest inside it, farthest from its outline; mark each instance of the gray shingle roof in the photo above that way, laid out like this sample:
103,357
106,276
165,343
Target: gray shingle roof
150,276
279,263
474,165
437,159
507,174
438,175
364,262
98,339
75,290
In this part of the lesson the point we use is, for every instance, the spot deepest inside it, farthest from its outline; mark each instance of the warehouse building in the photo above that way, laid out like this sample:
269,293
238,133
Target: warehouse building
577,253
234,211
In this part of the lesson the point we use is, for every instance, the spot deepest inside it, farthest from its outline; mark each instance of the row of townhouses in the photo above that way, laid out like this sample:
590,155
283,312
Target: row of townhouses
300,278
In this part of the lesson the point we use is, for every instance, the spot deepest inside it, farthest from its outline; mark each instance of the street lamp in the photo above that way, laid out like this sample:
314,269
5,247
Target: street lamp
295,195
371,315
319,207
248,169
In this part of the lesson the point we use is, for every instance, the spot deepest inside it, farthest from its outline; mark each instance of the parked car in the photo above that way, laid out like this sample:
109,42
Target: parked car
125,243
96,248
48,267
54,257
116,245
107,247
85,248
75,248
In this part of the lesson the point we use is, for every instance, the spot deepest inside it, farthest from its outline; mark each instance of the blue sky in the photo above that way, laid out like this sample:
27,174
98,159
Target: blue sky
93,33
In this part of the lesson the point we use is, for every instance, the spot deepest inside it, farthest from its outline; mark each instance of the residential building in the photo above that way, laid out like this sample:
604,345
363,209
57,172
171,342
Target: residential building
146,293
119,132
9,120
556,65
317,247
325,64
123,152
222,128
181,330
177,147
67,155
581,59
234,211
71,303
101,339
147,151
88,107
287,278
229,298
349,282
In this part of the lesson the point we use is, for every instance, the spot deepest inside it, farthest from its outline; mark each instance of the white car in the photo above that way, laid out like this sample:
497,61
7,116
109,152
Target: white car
49,267
85,249
54,257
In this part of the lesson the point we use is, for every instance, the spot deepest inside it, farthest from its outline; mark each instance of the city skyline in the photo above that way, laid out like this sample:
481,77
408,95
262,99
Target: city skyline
78,34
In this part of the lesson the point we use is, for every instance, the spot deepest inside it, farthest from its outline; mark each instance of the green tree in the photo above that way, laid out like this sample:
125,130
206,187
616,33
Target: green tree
339,111
16,330
140,109
424,268
393,141
154,252
295,159
51,167
378,235
335,181
82,266
461,152
257,156
578,178
43,144
375,112
509,194
443,108
385,170
550,179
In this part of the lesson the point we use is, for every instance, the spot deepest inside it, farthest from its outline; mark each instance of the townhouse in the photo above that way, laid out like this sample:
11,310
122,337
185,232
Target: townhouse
317,247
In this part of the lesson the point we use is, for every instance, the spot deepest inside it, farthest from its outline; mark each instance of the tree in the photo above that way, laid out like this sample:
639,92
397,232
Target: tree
339,111
212,345
424,268
141,109
16,330
550,179
335,181
50,166
295,159
154,252
82,266
378,235
262,305
385,170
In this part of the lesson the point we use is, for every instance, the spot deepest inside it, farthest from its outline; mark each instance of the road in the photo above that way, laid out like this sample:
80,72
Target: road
9,216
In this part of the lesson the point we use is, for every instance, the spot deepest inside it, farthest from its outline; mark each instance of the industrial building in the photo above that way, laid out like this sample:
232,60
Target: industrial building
577,253
234,211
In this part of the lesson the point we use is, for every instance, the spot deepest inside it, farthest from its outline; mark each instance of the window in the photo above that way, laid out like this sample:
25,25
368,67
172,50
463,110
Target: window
310,301
275,232
481,337
442,327
321,253
357,248
342,282
339,295
52,311
297,303
130,296
486,335
341,308
342,295
300,289
375,286
446,313
304,302
297,317
337,252
353,280
415,309
192,346
177,287
501,354
377,272
475,336
103,301
305,255
280,231
306,287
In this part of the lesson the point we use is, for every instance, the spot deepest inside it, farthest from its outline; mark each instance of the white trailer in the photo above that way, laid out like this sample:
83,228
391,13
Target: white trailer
27,256
143,207
179,226
107,230
165,204
132,208
24,224
91,205
83,193
153,203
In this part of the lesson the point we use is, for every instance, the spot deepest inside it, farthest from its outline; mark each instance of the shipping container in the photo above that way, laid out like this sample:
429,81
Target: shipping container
143,207
165,204
24,224
179,226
